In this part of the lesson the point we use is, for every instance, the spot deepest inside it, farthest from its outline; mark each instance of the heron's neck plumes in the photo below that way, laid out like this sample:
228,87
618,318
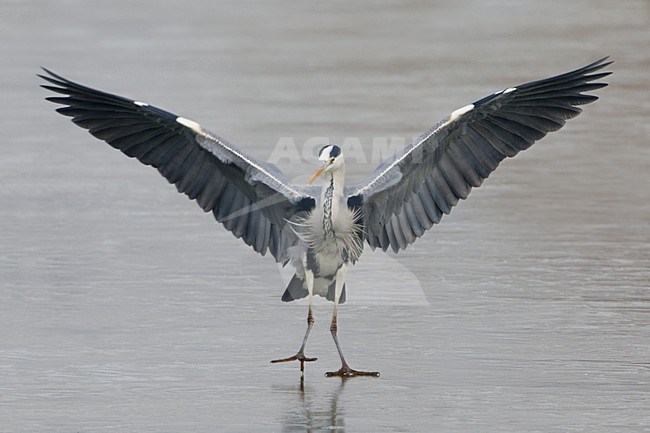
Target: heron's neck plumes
332,198
328,199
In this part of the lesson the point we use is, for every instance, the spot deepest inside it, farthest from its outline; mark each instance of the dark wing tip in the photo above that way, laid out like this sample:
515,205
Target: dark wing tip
53,78
595,66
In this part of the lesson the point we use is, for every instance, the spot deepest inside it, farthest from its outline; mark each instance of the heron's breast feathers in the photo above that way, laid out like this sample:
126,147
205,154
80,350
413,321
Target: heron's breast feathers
343,237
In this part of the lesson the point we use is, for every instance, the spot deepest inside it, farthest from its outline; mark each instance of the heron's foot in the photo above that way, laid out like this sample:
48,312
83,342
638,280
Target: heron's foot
346,371
300,356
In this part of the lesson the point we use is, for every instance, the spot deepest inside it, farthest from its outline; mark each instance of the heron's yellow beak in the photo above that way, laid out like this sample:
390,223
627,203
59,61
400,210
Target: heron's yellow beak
316,174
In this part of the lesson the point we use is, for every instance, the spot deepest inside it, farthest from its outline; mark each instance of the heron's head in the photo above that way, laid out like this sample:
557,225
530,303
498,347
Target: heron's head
332,160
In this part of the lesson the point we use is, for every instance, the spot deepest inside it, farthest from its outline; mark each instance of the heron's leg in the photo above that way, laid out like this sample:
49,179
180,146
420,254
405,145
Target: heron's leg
345,370
300,356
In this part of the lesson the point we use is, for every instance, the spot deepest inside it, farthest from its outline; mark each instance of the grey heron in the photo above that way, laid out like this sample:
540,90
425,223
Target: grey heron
322,230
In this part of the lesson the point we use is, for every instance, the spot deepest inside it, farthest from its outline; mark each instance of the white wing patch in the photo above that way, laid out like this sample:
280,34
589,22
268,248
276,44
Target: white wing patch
141,104
456,114
509,89
190,124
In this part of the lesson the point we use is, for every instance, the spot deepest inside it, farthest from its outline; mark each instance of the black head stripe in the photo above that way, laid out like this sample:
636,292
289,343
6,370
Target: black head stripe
334,152
323,148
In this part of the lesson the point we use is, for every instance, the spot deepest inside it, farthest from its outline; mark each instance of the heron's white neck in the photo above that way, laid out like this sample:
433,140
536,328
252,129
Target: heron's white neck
336,179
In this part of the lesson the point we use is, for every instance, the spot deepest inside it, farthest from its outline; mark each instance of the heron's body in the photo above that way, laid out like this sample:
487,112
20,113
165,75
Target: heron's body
330,236
322,230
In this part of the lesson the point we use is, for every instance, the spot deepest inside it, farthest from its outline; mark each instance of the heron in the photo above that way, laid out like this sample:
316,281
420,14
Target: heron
322,229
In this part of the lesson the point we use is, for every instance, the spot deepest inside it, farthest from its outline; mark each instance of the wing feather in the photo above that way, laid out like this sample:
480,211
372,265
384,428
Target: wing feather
252,199
411,191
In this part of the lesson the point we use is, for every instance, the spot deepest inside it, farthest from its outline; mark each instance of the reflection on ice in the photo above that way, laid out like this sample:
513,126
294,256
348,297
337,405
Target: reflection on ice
311,408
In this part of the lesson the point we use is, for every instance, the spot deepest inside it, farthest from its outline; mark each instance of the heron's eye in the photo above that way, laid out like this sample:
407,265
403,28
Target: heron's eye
331,160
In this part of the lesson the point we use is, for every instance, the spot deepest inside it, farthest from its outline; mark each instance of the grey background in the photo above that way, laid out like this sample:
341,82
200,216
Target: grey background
124,308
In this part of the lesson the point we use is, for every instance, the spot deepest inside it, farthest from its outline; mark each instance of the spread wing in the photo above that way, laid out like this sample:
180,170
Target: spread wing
410,192
252,199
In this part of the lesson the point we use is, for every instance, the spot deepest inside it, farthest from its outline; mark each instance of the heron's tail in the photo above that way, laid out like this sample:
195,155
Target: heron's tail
297,290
